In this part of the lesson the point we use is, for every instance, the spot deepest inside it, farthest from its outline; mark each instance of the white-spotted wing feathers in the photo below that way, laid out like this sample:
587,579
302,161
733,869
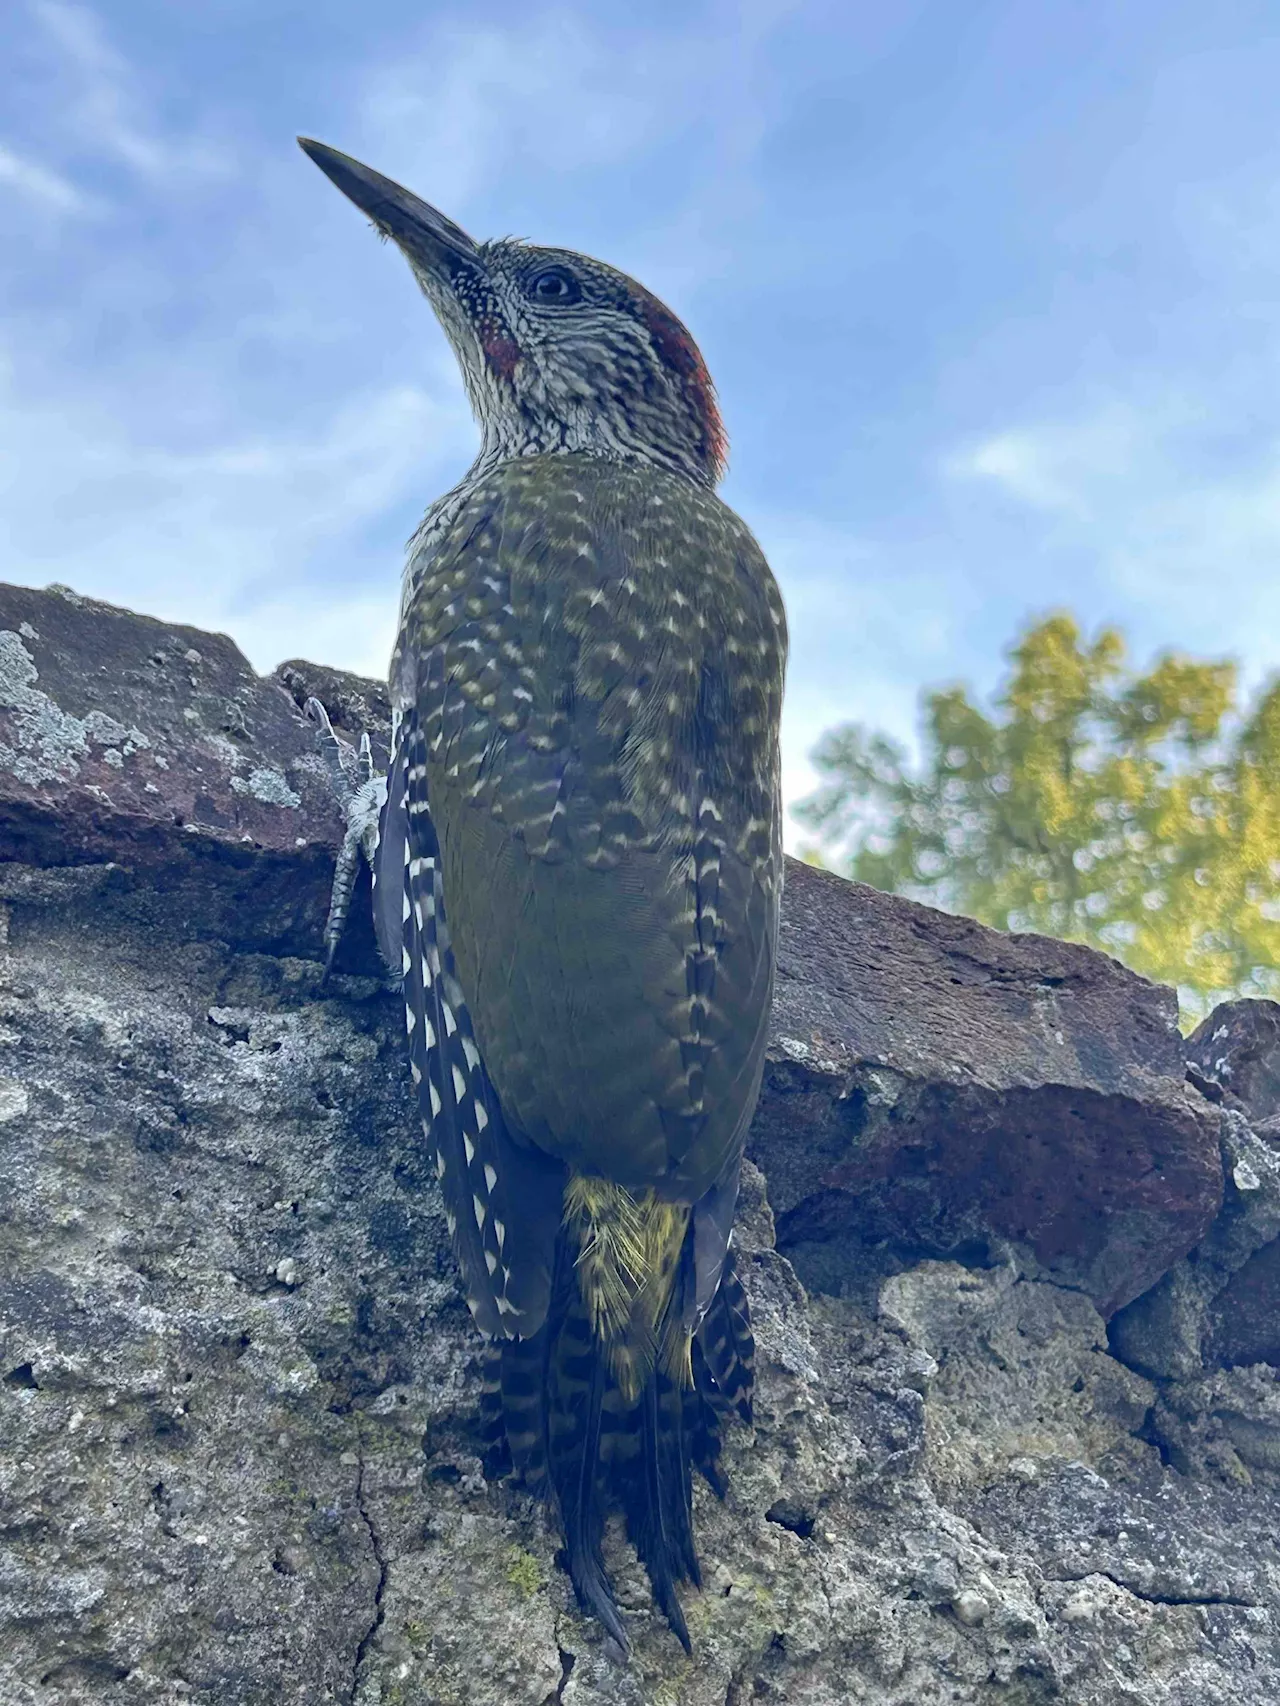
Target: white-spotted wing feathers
502,1198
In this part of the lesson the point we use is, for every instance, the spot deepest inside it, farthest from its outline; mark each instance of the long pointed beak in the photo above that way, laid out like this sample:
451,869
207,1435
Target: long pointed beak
434,243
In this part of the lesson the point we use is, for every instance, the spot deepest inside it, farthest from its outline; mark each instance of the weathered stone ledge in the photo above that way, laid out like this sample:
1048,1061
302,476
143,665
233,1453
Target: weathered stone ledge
239,1462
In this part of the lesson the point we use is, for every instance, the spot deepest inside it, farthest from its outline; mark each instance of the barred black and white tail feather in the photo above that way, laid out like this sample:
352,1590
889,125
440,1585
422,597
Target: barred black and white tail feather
493,1426
523,1386
575,1383
659,1500
727,1347
570,1433
702,1427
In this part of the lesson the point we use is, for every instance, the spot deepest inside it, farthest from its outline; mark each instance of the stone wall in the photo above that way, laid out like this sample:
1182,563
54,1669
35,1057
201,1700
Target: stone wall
1011,1247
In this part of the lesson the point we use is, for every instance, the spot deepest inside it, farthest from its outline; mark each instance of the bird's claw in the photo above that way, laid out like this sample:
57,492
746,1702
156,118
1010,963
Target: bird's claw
361,793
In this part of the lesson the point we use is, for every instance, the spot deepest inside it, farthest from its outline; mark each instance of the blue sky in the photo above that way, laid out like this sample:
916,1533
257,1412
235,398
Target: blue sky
991,292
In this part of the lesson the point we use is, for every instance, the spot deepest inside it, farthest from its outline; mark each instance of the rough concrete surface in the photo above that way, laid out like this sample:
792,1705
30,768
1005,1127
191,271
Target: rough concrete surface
239,1455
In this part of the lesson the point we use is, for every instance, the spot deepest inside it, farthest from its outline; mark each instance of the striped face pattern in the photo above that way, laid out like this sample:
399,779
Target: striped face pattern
599,367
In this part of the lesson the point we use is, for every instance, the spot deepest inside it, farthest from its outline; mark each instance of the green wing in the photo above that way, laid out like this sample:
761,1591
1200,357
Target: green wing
601,653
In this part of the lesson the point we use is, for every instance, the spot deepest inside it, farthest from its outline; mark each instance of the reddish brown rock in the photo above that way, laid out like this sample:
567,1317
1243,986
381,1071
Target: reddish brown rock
1235,1056
1243,1324
157,748
938,1087
239,1389
1235,1053
934,1087
1218,1305
118,728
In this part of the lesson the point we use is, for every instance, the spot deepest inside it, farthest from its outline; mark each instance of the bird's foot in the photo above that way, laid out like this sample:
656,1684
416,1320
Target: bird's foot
361,793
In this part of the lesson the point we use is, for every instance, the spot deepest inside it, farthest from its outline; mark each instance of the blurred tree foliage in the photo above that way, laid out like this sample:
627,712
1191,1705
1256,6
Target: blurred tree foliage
1139,813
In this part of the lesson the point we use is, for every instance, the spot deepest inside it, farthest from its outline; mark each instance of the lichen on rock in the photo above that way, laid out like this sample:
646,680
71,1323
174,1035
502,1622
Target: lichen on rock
1006,1449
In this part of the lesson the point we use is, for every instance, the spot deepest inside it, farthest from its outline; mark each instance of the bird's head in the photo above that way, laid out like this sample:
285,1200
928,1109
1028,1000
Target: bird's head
558,352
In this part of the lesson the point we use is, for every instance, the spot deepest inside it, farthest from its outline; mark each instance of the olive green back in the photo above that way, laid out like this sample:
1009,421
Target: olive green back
601,653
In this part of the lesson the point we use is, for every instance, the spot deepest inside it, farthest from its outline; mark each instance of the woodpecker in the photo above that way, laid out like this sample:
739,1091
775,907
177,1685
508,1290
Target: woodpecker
577,871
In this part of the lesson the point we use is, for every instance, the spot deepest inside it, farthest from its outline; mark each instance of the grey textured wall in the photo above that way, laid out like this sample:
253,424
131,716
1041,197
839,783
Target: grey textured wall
239,1462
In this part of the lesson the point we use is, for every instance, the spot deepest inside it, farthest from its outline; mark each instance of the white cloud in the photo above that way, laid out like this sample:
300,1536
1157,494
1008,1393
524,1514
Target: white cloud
133,471
865,630
41,184
549,91
239,536
1066,464
461,108
340,631
104,107
1018,462
1181,535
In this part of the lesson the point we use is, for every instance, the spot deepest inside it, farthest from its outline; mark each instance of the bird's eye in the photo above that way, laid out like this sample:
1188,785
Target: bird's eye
555,284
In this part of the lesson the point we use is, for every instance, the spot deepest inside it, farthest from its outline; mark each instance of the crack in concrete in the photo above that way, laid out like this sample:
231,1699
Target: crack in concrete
567,1662
1161,1598
375,1543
